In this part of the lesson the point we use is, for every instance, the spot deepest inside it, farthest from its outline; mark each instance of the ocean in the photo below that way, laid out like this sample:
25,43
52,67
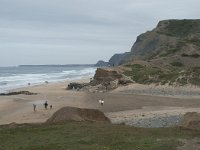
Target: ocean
21,76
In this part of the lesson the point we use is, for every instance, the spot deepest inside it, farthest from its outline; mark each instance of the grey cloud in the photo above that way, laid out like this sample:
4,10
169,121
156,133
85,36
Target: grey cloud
49,31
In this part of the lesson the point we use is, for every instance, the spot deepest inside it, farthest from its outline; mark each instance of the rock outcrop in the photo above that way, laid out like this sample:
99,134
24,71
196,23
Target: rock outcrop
77,114
101,63
108,79
106,74
105,79
76,86
118,59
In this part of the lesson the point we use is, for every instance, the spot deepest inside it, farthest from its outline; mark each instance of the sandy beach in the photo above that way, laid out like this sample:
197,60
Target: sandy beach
136,104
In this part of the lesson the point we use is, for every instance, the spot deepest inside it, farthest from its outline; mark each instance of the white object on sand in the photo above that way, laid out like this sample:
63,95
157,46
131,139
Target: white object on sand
101,102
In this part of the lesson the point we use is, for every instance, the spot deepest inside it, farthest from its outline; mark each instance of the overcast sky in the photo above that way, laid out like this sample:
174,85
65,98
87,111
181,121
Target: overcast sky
79,31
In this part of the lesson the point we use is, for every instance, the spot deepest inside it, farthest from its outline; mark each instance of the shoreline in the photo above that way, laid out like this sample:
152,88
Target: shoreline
83,79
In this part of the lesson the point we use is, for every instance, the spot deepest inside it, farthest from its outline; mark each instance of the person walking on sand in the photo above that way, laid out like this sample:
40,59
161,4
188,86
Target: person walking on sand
34,107
45,105
51,106
102,102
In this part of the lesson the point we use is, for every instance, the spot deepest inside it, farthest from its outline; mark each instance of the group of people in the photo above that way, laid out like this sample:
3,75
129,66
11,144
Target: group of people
45,106
101,101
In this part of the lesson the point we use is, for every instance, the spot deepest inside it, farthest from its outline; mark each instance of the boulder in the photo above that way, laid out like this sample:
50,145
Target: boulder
76,86
77,114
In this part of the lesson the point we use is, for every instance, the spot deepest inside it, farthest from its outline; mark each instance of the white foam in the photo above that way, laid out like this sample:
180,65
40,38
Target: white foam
21,80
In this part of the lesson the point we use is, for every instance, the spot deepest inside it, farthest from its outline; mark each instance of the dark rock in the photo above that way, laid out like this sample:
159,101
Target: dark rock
18,93
76,86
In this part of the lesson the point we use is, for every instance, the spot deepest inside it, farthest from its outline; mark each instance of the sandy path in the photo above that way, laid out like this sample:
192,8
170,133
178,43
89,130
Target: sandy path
151,116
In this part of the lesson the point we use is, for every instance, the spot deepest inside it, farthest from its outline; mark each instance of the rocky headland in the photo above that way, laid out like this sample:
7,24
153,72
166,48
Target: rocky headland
167,55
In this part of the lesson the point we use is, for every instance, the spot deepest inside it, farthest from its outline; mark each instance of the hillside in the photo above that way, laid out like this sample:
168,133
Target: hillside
94,136
169,54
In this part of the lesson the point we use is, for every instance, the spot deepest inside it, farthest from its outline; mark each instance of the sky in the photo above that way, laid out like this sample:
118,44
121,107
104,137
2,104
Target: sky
80,31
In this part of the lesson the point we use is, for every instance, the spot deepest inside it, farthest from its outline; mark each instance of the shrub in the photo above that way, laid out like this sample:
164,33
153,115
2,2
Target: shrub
195,55
177,64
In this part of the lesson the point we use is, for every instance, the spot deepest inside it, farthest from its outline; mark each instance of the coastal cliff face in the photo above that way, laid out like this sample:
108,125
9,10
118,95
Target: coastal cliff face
169,54
168,38
115,60
101,63
118,59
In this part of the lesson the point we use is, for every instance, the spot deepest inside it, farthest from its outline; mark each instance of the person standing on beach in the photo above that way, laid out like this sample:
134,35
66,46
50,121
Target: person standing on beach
101,101
34,107
45,105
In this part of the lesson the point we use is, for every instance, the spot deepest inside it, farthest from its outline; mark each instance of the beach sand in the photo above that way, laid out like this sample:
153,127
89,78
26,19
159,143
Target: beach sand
123,105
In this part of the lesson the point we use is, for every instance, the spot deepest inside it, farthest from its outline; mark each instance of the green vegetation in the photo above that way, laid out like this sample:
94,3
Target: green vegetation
91,136
173,49
147,75
194,41
177,64
170,51
169,77
181,28
176,75
195,55
194,75
142,74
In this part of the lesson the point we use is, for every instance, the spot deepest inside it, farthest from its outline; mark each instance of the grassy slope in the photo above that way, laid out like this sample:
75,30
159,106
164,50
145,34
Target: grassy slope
181,28
91,136
177,74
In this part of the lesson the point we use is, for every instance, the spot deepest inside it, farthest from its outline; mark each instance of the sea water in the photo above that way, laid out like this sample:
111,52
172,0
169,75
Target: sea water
21,76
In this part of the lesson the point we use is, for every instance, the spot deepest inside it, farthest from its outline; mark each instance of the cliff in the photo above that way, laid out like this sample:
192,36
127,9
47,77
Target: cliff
101,63
118,59
168,38
169,54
